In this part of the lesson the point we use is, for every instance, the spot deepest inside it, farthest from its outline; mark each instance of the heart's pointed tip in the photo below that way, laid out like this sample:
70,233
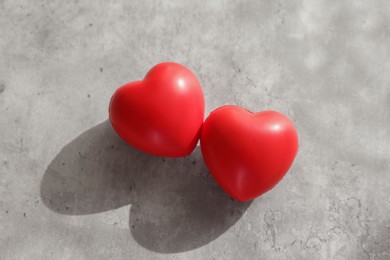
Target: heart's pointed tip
177,155
240,197
243,200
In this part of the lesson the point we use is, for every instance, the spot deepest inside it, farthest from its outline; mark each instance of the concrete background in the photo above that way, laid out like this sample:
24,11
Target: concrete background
71,189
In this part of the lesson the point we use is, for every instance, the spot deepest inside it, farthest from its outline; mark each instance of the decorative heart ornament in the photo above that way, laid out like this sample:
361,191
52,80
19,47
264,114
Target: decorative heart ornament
162,114
248,153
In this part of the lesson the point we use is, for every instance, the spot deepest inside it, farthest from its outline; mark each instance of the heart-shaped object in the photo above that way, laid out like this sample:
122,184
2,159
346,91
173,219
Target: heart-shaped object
248,153
162,114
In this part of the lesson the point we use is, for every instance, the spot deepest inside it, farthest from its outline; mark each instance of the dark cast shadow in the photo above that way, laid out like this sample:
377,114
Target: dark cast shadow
175,204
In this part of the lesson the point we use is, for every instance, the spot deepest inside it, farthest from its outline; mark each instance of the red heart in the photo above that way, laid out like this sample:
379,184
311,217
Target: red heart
248,153
162,114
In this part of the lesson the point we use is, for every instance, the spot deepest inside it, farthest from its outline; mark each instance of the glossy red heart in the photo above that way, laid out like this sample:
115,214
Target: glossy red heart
248,153
162,114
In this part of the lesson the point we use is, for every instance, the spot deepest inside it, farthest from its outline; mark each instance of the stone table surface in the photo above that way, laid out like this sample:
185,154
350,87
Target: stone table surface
71,189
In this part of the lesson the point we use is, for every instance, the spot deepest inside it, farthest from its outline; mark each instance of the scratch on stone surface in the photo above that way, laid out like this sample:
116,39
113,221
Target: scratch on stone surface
21,146
250,81
270,230
2,88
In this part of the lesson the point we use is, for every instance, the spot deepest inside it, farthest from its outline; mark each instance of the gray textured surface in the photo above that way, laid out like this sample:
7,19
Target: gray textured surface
70,188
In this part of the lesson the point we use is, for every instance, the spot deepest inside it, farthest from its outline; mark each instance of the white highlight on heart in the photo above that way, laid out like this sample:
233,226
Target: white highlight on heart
181,83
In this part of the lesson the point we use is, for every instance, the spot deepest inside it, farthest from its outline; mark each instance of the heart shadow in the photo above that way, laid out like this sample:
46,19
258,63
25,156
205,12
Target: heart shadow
176,205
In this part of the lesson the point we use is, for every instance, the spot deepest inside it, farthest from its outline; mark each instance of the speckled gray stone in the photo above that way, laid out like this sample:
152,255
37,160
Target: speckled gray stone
71,189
